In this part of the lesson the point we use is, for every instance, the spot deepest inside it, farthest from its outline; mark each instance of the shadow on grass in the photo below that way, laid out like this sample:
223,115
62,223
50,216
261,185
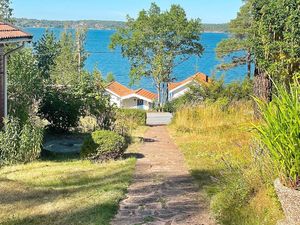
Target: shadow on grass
97,214
73,189
59,157
207,180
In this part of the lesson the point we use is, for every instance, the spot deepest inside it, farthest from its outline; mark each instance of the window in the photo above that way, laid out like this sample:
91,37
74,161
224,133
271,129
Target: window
140,102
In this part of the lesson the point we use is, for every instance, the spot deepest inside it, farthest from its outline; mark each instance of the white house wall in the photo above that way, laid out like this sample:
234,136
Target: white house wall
178,92
114,99
131,103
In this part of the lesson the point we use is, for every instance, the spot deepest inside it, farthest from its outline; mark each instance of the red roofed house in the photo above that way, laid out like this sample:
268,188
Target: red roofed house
177,89
124,97
9,34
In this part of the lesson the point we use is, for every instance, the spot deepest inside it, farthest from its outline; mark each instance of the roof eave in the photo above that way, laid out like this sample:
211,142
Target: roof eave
112,92
137,96
15,40
182,85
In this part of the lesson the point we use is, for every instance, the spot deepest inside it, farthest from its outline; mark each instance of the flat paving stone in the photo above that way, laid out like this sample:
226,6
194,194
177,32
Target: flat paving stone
162,192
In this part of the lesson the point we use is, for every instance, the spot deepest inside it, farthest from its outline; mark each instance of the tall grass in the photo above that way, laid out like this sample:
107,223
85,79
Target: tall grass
231,170
280,132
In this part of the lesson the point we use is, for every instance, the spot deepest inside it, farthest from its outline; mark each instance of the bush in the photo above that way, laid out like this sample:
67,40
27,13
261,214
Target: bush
137,116
103,145
280,132
61,108
127,120
19,144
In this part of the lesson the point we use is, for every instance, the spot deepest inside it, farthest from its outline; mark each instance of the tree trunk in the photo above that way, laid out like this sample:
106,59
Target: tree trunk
249,64
167,92
262,89
158,97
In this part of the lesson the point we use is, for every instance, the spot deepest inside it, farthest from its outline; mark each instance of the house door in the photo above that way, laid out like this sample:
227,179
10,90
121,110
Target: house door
140,104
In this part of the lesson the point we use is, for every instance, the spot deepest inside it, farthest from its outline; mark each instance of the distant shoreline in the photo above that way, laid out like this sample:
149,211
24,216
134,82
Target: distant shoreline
97,25
206,31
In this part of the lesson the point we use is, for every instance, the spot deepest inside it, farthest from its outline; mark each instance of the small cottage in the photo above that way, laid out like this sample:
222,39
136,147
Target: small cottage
124,97
177,89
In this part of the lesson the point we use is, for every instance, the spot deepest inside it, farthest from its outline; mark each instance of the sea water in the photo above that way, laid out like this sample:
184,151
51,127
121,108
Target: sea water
106,60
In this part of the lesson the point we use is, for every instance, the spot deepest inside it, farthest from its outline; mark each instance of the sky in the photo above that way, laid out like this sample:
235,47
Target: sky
209,11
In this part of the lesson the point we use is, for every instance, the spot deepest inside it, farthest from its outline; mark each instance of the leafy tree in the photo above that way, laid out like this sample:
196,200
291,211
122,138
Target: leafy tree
70,61
61,108
46,51
276,38
238,47
65,71
5,10
110,77
24,84
158,41
96,103
276,43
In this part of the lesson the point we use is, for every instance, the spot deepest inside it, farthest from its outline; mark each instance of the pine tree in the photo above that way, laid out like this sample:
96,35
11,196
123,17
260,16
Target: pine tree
238,46
65,71
46,51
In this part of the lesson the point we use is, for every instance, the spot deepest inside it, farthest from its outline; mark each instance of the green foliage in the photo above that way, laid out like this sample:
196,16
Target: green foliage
61,108
229,203
19,144
276,38
110,78
237,47
216,91
237,178
95,102
158,41
80,37
46,51
129,119
5,10
103,145
25,85
137,115
66,71
280,132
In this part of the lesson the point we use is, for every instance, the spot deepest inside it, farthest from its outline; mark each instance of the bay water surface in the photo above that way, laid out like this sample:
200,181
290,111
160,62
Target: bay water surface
106,61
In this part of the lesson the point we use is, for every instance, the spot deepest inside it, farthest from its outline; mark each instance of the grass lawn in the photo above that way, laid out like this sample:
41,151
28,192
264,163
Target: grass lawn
216,146
64,191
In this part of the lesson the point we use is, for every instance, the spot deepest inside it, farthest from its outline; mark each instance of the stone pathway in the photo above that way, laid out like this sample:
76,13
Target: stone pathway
162,192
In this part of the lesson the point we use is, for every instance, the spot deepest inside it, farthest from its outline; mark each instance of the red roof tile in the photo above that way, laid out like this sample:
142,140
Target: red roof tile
123,91
200,77
146,94
10,32
119,89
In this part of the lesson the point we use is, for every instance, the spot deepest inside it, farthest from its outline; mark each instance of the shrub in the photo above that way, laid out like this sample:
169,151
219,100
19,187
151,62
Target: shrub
137,116
103,145
61,108
280,132
127,120
19,144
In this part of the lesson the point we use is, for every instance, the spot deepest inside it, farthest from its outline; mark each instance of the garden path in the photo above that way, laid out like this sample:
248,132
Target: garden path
162,192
